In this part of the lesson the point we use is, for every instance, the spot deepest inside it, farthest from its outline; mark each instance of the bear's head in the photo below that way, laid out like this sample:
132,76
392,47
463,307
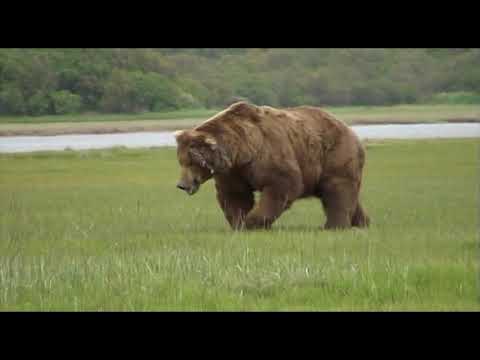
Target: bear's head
200,157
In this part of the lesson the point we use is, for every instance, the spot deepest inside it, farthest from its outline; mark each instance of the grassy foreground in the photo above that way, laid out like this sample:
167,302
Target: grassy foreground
107,230
112,123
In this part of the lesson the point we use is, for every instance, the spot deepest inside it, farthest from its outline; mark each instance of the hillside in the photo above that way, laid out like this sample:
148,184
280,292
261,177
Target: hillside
64,81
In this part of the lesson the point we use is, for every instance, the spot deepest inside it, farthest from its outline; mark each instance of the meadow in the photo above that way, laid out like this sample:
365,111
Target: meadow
157,121
106,230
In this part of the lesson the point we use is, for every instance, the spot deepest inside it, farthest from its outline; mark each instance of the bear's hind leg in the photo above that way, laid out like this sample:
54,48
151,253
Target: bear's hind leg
360,217
339,198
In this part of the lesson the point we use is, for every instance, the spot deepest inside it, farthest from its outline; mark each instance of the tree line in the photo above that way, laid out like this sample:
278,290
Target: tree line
63,81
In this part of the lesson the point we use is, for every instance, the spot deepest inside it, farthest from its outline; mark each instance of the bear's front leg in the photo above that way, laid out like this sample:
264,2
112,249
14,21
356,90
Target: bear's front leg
273,202
235,206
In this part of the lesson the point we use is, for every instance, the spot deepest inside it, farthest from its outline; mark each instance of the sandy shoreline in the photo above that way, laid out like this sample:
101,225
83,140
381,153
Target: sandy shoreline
69,128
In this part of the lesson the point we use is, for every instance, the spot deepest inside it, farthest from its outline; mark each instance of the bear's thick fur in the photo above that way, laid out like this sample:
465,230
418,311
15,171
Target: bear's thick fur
286,154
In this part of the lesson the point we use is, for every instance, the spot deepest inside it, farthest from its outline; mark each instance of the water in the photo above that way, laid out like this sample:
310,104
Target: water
419,131
10,144
85,141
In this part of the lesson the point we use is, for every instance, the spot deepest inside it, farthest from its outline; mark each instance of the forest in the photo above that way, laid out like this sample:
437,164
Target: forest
110,80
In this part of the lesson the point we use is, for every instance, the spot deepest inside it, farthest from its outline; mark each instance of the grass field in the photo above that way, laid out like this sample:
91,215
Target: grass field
111,123
98,117
108,230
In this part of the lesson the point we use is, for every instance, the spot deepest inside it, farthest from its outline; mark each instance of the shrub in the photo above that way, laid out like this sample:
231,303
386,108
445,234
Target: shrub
38,104
364,94
133,91
12,101
458,97
188,101
65,102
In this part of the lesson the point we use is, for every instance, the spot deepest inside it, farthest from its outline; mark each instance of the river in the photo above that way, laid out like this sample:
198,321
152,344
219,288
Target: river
12,144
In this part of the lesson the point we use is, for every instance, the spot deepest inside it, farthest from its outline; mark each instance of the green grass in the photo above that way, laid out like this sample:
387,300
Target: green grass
108,230
112,123
457,97
431,112
407,113
98,117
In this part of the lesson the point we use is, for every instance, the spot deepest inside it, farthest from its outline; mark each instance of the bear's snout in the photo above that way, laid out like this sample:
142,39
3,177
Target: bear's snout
181,187
189,189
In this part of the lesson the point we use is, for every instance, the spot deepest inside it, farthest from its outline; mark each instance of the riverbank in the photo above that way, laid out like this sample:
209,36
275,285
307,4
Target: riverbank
12,144
148,122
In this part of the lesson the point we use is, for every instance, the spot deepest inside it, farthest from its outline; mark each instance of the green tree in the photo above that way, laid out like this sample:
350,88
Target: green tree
36,81
12,101
127,91
64,102
39,104
258,92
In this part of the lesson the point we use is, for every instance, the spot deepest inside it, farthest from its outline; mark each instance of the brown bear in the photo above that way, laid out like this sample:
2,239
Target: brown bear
286,154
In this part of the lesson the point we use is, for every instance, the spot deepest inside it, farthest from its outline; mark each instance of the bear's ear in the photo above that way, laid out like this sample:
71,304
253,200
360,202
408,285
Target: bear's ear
221,160
201,139
179,134
210,141
213,156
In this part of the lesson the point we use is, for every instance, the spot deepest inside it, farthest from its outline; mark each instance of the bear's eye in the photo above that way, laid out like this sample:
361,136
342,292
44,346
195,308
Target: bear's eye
197,158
